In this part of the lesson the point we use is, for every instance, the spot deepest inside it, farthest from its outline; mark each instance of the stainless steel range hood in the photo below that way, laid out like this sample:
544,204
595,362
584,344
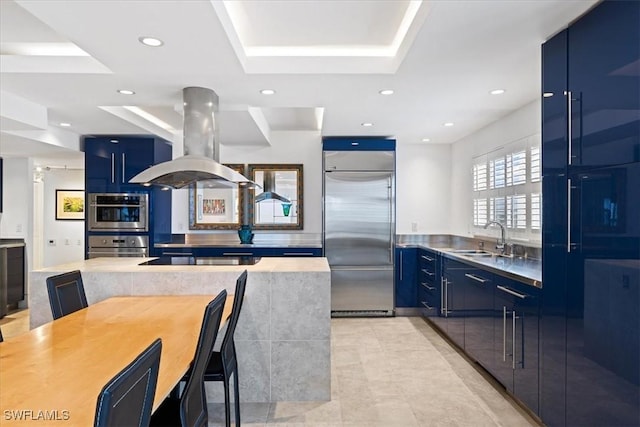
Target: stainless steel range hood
269,192
200,161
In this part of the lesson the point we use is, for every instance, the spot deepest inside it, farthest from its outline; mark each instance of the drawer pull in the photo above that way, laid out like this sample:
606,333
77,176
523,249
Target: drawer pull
237,253
476,278
426,305
431,288
427,258
428,272
177,253
298,254
512,292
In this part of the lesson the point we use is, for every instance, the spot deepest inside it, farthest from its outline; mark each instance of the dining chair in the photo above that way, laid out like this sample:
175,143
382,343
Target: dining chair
66,293
190,409
1,338
127,399
223,364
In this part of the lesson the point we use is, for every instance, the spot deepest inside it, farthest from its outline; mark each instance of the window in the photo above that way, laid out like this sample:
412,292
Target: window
507,188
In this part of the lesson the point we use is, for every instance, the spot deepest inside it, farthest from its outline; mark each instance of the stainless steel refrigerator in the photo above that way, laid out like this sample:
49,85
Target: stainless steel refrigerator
359,231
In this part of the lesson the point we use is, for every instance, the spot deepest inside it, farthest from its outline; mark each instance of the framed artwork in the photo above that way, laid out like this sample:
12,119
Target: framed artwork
69,204
215,208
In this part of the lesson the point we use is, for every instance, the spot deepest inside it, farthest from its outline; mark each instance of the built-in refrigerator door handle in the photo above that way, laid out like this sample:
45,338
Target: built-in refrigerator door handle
113,168
391,221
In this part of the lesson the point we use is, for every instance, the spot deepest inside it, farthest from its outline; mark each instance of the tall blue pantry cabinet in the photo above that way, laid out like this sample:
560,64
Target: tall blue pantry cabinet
590,305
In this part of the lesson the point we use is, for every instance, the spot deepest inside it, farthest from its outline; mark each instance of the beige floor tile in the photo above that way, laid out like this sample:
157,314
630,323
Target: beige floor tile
305,412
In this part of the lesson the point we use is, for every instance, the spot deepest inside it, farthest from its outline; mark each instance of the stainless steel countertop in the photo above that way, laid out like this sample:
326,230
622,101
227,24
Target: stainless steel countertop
525,270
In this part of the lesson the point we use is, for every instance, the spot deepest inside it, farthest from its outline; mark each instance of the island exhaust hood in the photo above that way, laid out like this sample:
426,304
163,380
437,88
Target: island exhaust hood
200,161
269,192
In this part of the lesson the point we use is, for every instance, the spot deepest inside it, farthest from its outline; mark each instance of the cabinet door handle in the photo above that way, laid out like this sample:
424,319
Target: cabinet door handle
426,305
476,278
431,288
513,341
237,253
569,125
427,258
427,272
446,297
400,265
123,166
113,168
512,292
177,253
504,333
569,214
297,253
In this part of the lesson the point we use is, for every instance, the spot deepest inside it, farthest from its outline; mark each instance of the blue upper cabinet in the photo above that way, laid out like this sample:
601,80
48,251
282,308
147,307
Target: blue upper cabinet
604,85
554,105
357,144
111,161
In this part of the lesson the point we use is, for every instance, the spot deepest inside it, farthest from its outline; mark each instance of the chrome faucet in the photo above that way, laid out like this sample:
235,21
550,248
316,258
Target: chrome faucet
502,244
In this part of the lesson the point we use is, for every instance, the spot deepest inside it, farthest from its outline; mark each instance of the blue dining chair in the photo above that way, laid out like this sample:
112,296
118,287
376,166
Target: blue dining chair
66,293
127,399
224,363
190,409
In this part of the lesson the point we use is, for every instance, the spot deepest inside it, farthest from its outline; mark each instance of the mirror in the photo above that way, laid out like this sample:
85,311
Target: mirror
215,208
278,205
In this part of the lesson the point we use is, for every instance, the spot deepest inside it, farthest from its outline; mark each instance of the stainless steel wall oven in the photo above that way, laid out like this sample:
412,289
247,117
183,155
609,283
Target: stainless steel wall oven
118,212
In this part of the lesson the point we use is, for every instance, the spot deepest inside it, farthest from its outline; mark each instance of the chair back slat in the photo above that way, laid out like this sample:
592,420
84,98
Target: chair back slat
66,293
227,348
193,404
127,399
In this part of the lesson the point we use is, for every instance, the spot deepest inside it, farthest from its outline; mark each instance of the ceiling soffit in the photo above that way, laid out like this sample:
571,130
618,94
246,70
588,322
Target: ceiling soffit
353,37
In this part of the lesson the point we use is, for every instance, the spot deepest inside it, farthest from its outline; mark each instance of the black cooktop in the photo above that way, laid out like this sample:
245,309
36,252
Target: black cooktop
189,260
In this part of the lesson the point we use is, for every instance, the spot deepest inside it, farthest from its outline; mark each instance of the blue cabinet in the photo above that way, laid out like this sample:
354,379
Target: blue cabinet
405,277
478,315
428,282
451,318
516,330
111,161
591,174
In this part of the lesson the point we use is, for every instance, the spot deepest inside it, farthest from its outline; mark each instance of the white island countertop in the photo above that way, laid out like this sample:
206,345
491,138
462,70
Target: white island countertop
283,334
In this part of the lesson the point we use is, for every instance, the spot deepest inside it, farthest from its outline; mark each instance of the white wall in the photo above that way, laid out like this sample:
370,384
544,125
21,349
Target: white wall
68,235
423,197
520,124
287,147
16,221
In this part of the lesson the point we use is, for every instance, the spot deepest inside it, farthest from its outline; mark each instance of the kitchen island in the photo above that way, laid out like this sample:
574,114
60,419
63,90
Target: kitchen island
283,334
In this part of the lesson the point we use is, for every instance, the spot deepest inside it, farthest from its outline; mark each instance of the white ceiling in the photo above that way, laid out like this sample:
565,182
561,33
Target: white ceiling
326,60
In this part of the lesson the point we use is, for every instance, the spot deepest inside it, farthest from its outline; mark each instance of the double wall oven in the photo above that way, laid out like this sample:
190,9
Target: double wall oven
125,217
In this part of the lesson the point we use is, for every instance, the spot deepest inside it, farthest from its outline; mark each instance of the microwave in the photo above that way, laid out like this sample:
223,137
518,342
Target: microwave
118,212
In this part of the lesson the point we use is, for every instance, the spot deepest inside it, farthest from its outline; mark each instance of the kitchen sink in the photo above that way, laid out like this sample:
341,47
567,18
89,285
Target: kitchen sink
472,252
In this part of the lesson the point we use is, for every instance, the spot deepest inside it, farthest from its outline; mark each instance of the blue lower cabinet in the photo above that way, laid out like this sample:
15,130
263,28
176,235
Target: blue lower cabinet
405,277
478,315
451,319
239,251
428,281
516,329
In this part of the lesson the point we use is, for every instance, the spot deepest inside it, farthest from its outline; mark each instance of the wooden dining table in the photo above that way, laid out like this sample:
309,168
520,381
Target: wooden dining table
53,374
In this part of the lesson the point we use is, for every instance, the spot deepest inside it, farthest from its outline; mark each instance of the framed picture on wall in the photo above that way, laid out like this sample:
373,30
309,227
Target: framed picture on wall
69,204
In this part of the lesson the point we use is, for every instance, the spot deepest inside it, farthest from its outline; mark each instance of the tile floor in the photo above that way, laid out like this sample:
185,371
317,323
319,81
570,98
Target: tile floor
392,372
389,372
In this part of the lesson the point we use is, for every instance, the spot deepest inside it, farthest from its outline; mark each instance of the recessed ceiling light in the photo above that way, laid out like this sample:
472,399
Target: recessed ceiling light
150,41
65,125
497,92
425,140
547,94
267,91
386,92
126,92
366,124
448,124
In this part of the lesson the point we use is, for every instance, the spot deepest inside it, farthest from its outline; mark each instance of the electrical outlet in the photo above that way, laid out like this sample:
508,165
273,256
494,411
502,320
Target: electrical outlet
79,242
67,242
52,242
414,226
18,228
